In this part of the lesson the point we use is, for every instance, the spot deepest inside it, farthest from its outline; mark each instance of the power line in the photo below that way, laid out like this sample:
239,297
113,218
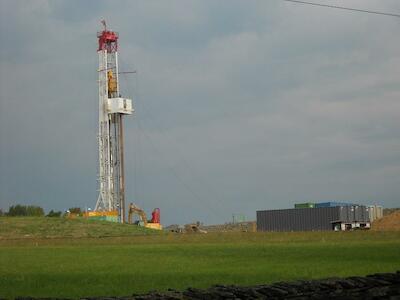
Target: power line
169,164
345,8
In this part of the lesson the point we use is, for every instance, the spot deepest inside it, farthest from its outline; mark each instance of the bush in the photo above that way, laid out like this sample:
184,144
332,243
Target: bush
54,214
75,210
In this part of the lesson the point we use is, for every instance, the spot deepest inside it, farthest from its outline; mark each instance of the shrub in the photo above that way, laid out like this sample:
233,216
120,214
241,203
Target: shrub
54,214
75,210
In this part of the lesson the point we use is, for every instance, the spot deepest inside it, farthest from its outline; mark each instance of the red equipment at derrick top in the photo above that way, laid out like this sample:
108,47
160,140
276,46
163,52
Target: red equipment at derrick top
108,40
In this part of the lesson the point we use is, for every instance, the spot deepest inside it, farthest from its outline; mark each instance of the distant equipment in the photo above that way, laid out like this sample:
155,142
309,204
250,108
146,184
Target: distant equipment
112,107
238,218
193,228
154,223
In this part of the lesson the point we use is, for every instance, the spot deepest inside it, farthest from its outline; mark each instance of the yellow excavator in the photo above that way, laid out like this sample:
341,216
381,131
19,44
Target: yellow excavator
154,223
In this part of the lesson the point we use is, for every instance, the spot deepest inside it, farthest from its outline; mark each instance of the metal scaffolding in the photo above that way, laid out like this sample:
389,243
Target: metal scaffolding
111,136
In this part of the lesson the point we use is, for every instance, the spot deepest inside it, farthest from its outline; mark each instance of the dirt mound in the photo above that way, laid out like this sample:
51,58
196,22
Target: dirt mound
389,222
249,226
388,211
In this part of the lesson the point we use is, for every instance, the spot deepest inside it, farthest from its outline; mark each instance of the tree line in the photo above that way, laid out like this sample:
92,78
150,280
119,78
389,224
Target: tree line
36,211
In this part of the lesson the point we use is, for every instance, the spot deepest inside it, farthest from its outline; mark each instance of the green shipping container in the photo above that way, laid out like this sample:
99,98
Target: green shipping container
112,218
99,218
304,205
104,218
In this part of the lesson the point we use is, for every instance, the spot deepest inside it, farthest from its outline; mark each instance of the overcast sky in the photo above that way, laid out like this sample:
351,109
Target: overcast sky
240,105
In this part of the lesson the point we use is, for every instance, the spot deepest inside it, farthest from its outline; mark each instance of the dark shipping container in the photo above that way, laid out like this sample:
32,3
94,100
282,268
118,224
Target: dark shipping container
304,219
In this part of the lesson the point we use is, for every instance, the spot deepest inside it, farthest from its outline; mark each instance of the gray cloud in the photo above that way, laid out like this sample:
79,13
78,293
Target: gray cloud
240,105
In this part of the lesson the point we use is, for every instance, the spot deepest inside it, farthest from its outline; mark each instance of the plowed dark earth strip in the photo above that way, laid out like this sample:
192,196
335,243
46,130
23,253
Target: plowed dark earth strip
376,286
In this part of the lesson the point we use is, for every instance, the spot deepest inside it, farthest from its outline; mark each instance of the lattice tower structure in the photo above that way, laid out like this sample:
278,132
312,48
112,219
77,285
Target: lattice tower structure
112,107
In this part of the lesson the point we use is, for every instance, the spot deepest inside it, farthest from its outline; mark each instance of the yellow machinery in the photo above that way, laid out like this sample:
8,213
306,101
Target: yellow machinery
102,215
112,83
154,223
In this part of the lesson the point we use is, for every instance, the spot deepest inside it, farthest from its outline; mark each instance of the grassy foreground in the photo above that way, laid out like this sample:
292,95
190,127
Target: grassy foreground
119,266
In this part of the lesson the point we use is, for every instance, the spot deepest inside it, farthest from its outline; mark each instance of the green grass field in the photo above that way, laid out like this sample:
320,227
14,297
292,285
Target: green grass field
116,266
43,227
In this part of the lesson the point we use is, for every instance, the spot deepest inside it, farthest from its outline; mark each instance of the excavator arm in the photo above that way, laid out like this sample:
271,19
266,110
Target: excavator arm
134,209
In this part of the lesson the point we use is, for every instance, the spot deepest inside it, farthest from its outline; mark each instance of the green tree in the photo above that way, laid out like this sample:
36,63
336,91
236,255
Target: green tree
25,210
17,210
34,211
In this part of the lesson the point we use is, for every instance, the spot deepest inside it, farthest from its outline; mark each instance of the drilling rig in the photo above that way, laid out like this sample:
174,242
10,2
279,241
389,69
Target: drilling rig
112,108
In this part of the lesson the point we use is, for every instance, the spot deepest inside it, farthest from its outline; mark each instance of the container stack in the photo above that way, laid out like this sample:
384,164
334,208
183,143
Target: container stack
375,212
304,205
346,217
321,204
332,204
